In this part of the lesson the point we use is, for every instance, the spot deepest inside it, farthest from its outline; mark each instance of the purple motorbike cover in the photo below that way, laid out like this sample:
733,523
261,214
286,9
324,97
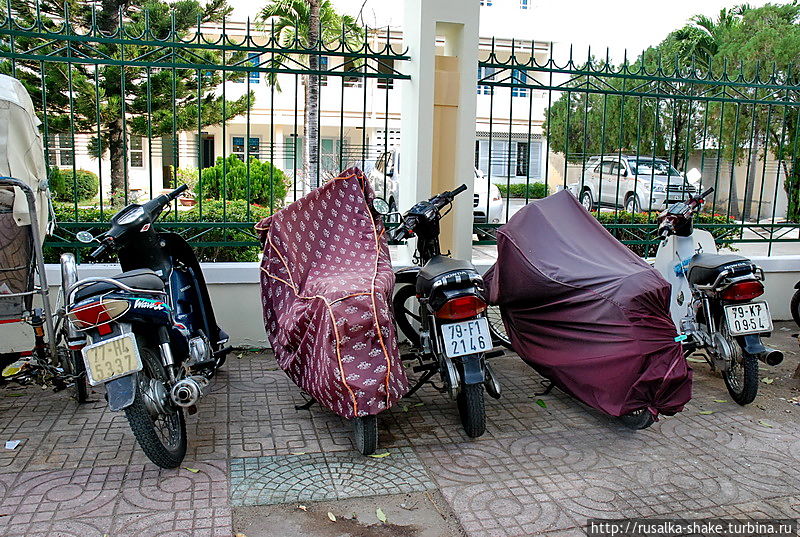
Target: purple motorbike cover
586,312
326,284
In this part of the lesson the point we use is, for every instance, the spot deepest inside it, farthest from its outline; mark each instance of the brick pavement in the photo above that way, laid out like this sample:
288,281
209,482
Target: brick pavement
78,471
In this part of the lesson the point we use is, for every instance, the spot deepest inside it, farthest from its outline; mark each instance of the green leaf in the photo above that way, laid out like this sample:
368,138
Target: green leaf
418,404
720,400
696,360
14,394
705,412
380,514
193,470
380,455
767,380
297,453
765,424
541,403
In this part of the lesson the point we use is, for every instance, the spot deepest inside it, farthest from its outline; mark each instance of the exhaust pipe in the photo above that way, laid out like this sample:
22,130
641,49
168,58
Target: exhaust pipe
185,393
770,356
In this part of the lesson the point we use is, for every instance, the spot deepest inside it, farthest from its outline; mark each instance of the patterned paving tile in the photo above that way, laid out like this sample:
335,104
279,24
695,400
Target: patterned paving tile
324,476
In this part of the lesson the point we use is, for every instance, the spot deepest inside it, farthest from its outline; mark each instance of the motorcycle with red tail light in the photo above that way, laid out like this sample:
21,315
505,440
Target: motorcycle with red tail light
714,302
148,334
439,306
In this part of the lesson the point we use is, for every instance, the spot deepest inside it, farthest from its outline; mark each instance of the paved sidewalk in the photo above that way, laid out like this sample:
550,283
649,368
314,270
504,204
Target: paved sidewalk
253,459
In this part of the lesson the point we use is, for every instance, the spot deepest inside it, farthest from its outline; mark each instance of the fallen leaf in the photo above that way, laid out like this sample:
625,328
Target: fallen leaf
418,404
380,455
332,516
302,507
193,470
15,394
541,403
240,535
767,380
405,408
380,514
239,355
720,400
696,360
297,453
705,412
764,423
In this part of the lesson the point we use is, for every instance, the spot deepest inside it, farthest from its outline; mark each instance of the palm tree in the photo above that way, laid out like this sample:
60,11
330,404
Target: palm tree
310,24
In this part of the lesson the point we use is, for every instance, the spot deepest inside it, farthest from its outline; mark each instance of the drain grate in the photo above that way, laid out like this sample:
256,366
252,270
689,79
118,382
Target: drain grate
324,476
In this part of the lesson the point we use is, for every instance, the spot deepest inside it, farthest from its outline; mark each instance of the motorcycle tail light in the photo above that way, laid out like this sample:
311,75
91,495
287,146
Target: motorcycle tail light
743,290
462,307
97,313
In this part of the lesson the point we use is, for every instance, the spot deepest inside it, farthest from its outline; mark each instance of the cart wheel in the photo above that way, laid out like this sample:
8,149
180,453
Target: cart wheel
638,419
496,327
80,386
365,430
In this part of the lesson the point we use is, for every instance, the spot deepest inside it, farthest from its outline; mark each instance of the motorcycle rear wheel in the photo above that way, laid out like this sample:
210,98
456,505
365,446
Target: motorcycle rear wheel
160,434
78,368
471,409
638,419
741,377
365,431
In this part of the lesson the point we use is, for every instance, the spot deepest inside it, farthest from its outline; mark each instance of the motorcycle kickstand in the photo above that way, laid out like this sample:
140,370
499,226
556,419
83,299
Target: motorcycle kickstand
307,405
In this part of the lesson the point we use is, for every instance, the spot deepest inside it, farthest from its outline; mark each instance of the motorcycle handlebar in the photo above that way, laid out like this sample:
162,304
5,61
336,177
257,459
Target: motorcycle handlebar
707,193
177,192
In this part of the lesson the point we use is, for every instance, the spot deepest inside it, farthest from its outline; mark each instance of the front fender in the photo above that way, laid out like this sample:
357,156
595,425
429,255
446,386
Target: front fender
121,392
472,371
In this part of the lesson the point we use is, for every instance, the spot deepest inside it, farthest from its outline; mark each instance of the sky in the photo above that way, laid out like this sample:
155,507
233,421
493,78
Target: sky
616,24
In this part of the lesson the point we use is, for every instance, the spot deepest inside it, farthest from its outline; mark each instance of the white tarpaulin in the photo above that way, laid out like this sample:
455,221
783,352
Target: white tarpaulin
22,152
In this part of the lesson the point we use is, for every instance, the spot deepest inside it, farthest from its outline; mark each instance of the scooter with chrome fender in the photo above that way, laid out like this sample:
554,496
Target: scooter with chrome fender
712,301
149,333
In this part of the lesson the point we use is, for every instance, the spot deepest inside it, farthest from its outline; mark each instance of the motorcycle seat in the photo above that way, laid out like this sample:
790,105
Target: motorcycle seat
704,268
442,267
144,279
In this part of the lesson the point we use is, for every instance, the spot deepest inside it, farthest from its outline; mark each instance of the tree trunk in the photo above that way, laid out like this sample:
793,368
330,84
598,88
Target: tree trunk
311,117
751,175
116,148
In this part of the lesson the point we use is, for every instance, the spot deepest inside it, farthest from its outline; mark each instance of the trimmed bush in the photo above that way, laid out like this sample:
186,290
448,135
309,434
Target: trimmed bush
234,211
267,184
534,190
64,185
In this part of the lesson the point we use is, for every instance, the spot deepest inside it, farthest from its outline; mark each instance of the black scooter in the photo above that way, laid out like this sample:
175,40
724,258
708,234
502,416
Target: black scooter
149,334
444,298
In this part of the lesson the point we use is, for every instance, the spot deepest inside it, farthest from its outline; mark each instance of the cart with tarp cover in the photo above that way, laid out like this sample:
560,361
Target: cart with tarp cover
587,313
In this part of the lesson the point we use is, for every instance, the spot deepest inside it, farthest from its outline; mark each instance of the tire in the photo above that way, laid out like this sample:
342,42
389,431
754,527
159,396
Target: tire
795,307
496,327
586,200
741,377
80,388
150,430
638,419
471,409
365,431
403,316
632,204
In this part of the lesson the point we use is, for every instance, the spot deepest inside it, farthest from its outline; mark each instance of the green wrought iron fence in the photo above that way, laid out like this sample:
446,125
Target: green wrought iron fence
136,102
622,137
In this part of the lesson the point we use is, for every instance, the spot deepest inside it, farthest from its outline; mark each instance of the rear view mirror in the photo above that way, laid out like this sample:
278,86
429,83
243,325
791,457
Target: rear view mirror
84,236
380,206
693,175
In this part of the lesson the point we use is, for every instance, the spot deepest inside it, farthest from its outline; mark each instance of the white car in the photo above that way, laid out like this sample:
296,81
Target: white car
633,183
487,204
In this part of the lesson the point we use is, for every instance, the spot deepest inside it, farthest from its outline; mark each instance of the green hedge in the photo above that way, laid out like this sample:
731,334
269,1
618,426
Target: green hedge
648,233
267,184
64,185
234,211
534,190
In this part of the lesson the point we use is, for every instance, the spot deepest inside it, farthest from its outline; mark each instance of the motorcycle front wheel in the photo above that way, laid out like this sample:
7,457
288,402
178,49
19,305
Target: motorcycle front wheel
157,424
741,377
406,313
471,409
638,419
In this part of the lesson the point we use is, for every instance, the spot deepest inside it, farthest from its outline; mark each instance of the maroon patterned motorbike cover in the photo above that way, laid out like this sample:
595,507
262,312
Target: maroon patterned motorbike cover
326,285
586,312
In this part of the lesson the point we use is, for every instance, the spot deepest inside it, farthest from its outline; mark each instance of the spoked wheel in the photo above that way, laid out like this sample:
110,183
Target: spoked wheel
741,377
365,430
496,327
638,419
406,313
472,410
158,425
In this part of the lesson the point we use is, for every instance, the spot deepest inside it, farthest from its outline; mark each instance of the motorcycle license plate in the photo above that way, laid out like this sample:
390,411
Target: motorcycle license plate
750,318
111,358
466,337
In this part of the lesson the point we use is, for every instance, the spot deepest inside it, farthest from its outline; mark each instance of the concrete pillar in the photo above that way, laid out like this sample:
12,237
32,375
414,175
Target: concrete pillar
438,111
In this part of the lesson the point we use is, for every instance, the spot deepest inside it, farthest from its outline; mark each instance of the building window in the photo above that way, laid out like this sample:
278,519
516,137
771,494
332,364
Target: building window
238,149
486,2
254,59
386,67
524,159
61,152
323,66
349,66
485,73
523,4
519,77
136,152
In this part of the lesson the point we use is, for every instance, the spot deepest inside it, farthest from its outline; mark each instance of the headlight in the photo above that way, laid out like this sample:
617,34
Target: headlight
131,216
